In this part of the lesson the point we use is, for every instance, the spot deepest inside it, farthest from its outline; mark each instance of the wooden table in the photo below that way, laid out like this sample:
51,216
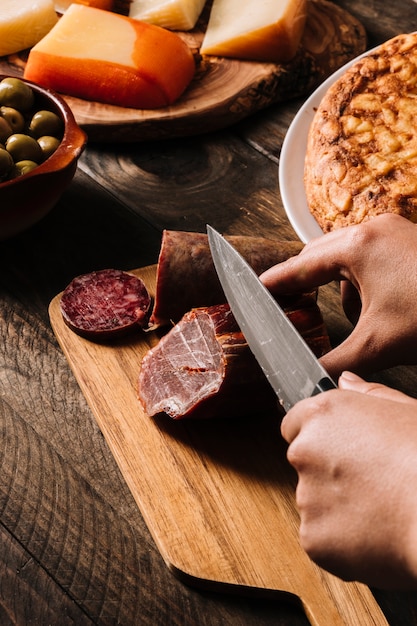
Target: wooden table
74,548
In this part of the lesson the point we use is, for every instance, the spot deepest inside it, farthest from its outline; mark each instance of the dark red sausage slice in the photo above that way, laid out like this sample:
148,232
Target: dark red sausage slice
105,303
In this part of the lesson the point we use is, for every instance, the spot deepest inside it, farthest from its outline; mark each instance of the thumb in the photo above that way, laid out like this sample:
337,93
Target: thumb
352,382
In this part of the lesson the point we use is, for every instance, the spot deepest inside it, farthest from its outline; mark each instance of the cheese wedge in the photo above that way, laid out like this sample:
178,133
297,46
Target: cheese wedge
105,57
62,5
259,30
24,22
172,14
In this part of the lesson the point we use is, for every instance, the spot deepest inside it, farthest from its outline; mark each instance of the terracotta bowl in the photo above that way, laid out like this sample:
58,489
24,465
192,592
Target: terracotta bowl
27,199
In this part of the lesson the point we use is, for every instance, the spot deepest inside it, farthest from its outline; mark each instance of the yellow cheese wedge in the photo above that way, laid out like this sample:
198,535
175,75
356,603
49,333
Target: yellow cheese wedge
24,22
259,30
62,5
172,14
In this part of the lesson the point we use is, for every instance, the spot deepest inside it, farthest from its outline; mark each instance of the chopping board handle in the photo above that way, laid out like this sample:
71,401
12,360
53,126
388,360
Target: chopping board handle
347,604
325,599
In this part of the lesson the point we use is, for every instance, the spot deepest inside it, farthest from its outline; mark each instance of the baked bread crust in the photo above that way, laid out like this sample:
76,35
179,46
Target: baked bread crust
361,157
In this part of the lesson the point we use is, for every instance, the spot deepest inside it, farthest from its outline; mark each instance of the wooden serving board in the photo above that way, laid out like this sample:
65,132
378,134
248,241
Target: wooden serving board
225,91
217,495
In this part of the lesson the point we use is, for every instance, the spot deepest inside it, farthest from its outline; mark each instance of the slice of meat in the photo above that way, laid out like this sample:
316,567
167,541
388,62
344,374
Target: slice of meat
203,366
105,304
186,277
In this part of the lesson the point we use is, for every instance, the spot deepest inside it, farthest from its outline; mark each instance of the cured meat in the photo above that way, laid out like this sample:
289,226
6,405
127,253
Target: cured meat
203,366
186,277
105,303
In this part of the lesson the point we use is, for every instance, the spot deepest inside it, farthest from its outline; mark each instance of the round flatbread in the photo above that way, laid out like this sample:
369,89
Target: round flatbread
361,157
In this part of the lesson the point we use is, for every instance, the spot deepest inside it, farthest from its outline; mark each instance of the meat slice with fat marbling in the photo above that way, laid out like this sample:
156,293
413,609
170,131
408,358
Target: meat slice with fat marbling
203,366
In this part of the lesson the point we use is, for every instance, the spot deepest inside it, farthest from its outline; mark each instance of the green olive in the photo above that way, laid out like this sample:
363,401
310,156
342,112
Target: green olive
48,145
46,123
28,136
17,94
23,147
14,118
23,167
6,164
5,130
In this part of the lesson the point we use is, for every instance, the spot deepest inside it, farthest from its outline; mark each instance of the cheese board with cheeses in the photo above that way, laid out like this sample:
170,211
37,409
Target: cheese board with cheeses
224,90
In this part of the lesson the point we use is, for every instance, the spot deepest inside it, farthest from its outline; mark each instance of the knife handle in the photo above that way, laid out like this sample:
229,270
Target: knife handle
325,384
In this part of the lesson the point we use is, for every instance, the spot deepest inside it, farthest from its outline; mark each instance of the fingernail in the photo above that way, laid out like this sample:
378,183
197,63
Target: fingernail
350,376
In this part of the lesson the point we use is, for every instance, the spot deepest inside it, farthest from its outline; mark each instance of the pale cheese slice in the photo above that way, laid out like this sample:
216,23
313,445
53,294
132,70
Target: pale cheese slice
260,30
171,14
91,34
24,22
62,5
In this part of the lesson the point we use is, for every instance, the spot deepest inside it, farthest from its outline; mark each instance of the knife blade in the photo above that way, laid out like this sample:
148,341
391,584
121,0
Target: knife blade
290,366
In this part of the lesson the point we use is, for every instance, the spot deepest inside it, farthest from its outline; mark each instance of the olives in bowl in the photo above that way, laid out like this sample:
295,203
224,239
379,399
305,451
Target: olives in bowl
40,143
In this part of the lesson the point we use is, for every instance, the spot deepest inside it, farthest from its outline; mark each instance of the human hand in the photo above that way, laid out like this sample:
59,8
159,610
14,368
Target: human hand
377,264
355,452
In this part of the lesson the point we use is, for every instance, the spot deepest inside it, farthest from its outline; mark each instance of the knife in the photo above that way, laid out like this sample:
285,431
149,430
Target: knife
291,368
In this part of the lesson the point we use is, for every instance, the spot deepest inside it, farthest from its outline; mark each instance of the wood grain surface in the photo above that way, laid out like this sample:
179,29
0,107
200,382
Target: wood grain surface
74,546
225,91
225,511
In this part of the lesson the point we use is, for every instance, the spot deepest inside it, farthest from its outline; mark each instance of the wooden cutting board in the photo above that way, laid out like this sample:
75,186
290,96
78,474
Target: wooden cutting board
224,91
217,495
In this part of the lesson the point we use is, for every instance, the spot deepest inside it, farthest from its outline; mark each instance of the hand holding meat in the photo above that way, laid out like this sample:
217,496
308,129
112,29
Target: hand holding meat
355,451
376,263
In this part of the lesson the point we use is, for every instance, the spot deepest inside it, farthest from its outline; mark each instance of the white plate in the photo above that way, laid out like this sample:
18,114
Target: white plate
291,163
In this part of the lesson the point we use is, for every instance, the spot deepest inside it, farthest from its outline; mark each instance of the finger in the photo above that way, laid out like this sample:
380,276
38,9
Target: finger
292,422
352,382
372,346
290,426
320,262
352,355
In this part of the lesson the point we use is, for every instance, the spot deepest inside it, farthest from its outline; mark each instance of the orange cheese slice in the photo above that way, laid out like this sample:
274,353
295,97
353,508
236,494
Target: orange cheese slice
101,56
258,30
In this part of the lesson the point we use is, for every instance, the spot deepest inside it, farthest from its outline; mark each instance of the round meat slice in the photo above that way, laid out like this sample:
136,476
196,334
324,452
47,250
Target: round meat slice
105,303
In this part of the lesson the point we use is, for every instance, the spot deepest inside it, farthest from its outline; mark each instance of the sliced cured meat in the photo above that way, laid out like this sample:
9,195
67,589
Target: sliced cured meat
186,277
105,303
203,366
